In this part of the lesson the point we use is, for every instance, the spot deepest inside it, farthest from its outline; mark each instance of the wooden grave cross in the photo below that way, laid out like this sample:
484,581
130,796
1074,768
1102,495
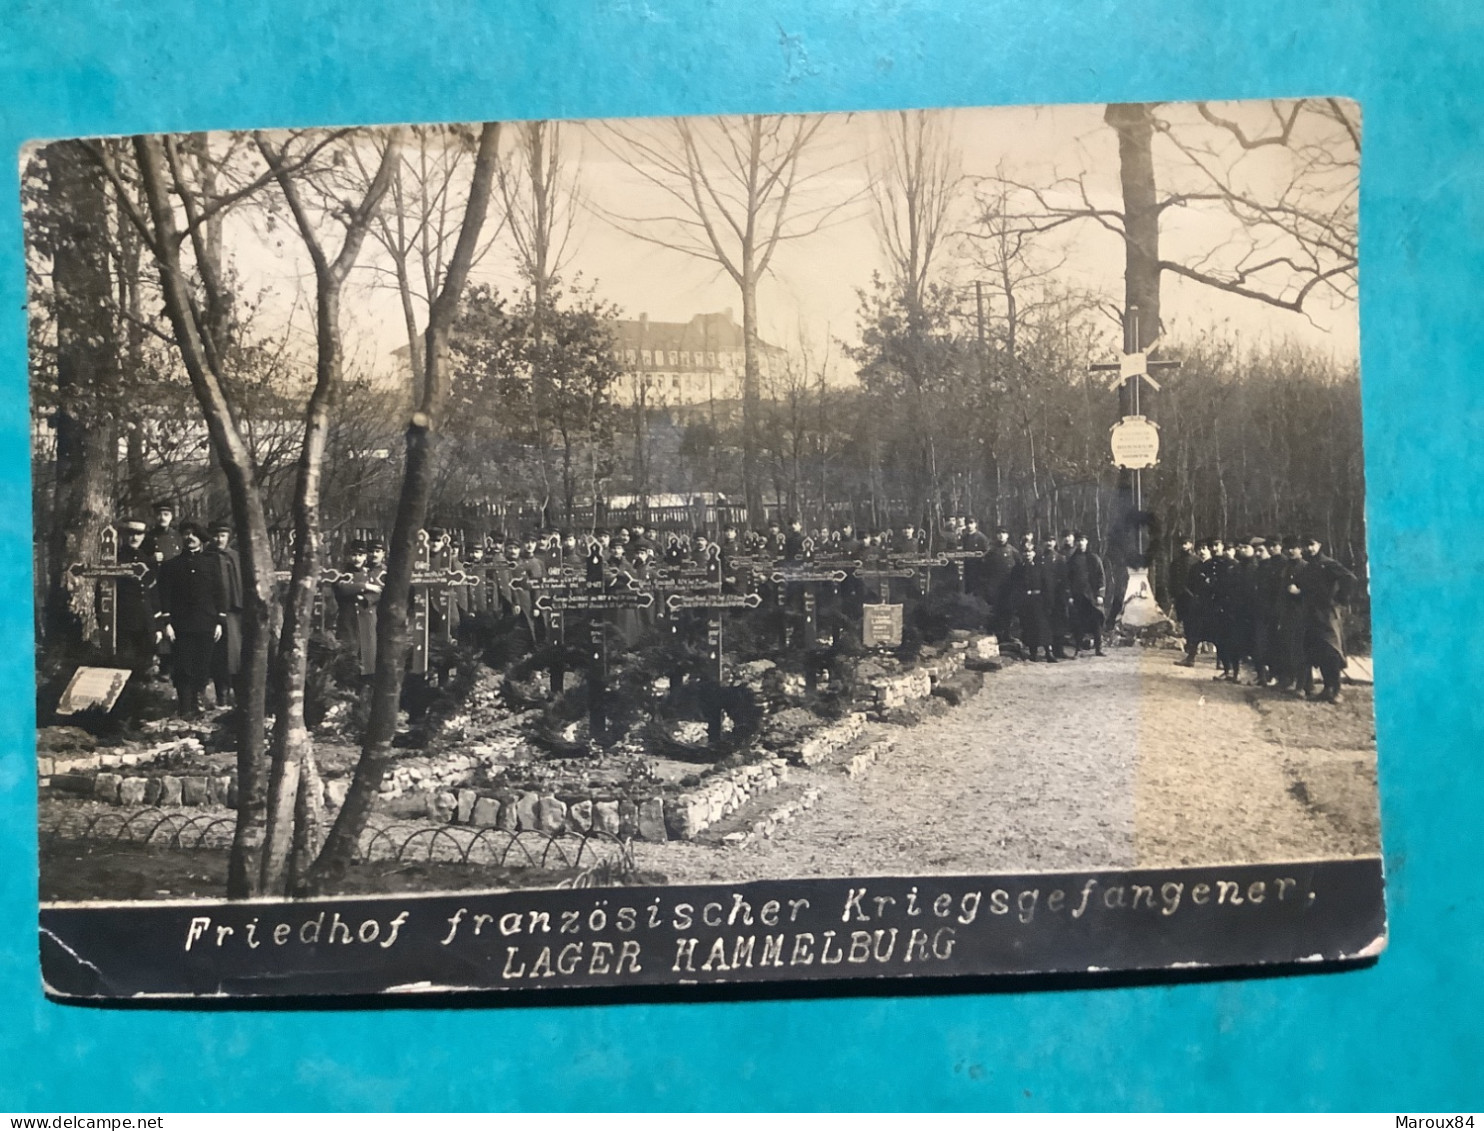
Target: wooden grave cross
106,575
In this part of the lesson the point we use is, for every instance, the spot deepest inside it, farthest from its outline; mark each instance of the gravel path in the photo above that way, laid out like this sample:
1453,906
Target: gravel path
1095,763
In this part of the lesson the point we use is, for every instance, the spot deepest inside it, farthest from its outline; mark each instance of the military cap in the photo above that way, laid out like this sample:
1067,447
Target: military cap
220,527
356,547
133,526
192,528
164,505
1078,535
1257,540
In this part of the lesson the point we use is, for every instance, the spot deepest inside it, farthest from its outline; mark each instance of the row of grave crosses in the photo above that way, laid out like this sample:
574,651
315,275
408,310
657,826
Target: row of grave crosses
590,588
437,575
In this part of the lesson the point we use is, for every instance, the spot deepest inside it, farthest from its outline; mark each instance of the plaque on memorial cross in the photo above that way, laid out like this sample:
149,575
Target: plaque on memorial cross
1135,443
91,688
881,626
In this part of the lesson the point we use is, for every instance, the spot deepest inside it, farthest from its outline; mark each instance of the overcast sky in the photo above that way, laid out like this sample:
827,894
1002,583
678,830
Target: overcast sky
811,288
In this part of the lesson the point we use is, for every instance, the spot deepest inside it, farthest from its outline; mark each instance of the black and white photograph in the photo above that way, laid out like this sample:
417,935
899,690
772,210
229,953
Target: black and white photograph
773,548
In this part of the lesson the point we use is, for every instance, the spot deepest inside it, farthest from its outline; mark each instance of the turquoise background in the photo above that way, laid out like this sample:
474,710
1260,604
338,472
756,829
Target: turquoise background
1403,1035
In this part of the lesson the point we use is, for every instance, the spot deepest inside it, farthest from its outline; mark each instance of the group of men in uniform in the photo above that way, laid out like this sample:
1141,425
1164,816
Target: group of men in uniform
1274,603
182,613
1046,593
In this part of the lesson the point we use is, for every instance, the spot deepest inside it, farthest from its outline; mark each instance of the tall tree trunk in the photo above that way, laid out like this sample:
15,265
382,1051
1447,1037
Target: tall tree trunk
412,507
293,794
752,488
87,387
1134,124
242,487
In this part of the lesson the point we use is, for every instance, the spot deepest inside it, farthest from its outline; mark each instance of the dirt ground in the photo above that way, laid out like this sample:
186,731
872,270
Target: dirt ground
1124,761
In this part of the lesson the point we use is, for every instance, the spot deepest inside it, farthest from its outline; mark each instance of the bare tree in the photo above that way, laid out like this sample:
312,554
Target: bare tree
540,196
198,303
290,790
421,447
913,185
1287,183
735,189
74,285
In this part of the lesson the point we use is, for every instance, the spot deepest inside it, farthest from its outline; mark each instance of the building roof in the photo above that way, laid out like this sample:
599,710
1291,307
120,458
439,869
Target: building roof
705,333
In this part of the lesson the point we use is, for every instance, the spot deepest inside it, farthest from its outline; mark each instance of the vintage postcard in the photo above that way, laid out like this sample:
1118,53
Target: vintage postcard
537,555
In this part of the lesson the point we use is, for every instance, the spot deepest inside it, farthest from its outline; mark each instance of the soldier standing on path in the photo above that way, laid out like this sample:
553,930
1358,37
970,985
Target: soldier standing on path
226,658
137,602
1033,590
1293,670
1324,585
1243,590
1085,580
999,564
1181,564
193,614
1198,605
1061,613
1265,612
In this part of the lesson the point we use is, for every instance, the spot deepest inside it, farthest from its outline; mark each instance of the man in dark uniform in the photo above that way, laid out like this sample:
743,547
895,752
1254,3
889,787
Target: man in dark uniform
136,602
1223,606
531,567
1292,668
164,541
193,614
1198,604
1265,614
999,564
1061,619
974,541
1242,595
1033,589
1085,580
1324,585
793,541
226,658
474,598
1181,564
357,594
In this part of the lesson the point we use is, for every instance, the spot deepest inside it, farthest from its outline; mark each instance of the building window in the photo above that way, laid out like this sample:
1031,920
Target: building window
648,358
674,357
710,359
630,356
